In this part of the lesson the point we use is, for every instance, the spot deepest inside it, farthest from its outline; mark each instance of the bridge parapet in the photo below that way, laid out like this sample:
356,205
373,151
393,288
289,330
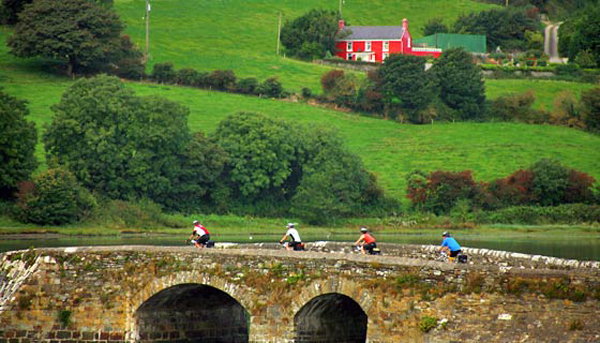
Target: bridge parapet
94,294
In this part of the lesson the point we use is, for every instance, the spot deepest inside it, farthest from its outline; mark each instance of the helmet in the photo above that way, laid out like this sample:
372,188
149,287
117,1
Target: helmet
446,234
196,222
290,225
363,229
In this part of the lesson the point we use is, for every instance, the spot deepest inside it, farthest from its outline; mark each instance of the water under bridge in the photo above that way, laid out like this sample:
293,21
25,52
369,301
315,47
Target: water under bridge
256,293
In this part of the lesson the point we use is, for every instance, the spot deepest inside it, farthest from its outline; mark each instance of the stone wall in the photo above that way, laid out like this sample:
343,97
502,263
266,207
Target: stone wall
94,294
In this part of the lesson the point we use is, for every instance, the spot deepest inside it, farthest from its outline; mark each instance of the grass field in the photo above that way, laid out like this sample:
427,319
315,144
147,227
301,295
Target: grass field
242,34
244,40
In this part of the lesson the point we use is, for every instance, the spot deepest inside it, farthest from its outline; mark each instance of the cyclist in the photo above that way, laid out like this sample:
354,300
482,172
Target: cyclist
449,246
366,241
295,242
200,235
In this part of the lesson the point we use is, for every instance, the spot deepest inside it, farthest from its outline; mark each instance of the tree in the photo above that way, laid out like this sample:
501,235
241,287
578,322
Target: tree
54,198
81,33
118,144
505,27
17,144
311,35
551,180
590,102
262,152
460,83
586,35
334,183
435,25
406,85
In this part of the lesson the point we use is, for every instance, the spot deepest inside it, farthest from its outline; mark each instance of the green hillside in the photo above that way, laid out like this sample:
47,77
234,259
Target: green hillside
242,34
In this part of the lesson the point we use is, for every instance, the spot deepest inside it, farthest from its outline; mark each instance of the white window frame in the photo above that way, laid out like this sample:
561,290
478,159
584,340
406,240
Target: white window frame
386,46
349,57
348,46
384,56
368,45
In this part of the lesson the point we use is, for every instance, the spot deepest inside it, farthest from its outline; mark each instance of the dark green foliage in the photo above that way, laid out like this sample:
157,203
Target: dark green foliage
201,164
17,144
247,86
262,152
306,92
54,198
460,83
128,63
187,77
163,73
222,80
504,28
541,215
311,35
406,86
442,190
334,182
550,182
270,88
590,101
433,26
586,35
339,88
118,144
10,9
79,32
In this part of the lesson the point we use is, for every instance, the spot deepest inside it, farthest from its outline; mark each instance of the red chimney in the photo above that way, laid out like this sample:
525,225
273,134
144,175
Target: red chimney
341,24
405,24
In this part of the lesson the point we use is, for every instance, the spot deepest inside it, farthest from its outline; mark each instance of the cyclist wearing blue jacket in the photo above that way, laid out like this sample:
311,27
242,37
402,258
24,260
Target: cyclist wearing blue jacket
450,246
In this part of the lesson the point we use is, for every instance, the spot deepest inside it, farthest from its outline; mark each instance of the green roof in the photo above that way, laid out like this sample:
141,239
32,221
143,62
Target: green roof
471,43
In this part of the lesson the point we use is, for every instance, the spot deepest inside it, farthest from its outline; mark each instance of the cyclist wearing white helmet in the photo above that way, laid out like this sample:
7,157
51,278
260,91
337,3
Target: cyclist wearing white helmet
200,235
294,236
366,241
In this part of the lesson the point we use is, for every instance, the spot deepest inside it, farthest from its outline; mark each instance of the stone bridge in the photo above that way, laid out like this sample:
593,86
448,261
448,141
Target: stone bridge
255,293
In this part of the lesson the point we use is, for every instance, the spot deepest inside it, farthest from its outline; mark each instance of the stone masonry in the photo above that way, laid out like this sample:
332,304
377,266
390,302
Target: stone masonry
259,293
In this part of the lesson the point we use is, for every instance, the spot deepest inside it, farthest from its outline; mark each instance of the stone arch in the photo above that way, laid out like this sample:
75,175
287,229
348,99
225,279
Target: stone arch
331,317
215,285
346,291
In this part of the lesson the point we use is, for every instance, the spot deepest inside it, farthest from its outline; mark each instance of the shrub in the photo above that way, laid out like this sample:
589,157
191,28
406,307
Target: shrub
550,182
271,88
516,189
590,102
330,79
538,215
247,86
187,77
54,198
222,80
514,107
163,73
306,92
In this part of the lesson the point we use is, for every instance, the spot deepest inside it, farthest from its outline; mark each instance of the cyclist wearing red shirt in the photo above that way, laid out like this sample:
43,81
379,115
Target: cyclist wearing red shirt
366,241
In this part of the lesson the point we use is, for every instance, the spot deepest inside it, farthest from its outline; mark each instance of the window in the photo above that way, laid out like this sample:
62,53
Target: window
409,42
349,46
368,46
385,55
386,46
349,57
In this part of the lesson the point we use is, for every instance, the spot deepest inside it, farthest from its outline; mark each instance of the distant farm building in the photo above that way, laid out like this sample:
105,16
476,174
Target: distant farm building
376,43
471,43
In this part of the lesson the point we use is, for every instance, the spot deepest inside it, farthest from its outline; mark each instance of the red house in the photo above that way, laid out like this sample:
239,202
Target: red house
375,43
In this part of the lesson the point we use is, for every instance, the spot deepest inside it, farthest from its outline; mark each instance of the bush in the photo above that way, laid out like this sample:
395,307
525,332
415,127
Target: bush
550,182
54,198
590,102
222,80
306,92
163,73
514,107
129,64
330,79
533,215
140,214
187,77
271,88
516,189
247,86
